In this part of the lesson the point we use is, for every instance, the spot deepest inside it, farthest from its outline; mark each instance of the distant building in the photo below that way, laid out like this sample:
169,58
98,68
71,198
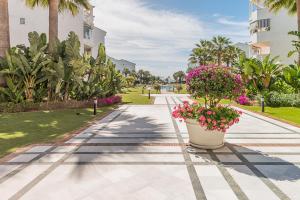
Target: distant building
122,64
24,20
269,32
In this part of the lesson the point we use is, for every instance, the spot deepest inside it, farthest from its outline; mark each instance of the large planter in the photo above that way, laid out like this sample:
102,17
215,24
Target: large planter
202,138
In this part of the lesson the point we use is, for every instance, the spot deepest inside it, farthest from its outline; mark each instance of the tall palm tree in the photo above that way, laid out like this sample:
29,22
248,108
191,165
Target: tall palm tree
231,55
56,6
202,54
220,44
4,27
262,73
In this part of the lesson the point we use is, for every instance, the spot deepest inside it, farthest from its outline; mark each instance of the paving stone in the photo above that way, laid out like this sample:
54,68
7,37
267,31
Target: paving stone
201,158
64,149
38,149
24,158
107,182
286,177
264,141
273,158
122,149
16,182
125,158
6,169
223,149
261,149
132,140
50,158
75,141
214,184
228,158
251,185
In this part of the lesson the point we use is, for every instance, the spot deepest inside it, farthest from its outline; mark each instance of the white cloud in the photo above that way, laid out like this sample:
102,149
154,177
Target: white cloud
160,40
225,21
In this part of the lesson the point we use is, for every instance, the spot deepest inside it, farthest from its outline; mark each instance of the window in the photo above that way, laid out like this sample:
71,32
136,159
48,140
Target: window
22,21
87,32
260,25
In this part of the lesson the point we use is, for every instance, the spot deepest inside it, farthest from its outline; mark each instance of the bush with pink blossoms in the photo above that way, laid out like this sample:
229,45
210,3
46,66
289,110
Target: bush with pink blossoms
214,83
215,118
109,100
243,100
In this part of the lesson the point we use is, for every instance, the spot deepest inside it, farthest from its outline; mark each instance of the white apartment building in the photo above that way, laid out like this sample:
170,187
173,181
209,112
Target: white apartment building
269,32
24,20
122,64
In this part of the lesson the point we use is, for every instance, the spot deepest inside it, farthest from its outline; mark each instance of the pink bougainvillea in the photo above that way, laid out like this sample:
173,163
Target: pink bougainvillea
109,100
214,83
243,100
218,118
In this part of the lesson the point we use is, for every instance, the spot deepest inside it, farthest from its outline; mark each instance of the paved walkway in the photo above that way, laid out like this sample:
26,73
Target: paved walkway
138,153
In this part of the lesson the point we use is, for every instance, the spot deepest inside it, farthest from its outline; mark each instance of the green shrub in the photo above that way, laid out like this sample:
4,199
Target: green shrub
275,99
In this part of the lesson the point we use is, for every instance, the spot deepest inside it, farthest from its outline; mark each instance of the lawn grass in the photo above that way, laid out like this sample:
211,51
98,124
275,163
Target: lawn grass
134,96
287,114
22,129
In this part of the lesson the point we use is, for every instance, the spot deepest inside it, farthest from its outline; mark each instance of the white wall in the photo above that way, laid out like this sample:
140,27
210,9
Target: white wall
98,37
37,20
277,38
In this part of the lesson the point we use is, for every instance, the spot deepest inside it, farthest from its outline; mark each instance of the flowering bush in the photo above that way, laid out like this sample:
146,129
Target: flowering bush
109,100
214,83
215,118
243,100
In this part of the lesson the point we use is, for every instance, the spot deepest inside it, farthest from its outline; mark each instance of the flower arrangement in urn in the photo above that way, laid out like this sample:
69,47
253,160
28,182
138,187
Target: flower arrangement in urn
207,123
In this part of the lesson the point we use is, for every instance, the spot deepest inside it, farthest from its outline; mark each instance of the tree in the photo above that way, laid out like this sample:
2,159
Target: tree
179,76
220,44
126,71
202,54
262,74
292,76
231,55
4,27
56,6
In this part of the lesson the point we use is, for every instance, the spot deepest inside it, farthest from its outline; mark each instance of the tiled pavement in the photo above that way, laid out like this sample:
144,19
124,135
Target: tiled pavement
139,153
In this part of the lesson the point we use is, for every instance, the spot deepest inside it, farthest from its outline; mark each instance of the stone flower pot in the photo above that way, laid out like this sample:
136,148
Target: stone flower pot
202,138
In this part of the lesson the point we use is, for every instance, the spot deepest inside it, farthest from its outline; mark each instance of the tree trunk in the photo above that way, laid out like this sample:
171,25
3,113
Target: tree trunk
4,27
298,20
53,23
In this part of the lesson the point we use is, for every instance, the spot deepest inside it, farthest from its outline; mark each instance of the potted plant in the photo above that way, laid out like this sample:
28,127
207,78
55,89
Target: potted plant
208,123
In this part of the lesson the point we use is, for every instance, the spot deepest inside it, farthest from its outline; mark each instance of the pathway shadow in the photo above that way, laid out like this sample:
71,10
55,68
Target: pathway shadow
265,165
124,124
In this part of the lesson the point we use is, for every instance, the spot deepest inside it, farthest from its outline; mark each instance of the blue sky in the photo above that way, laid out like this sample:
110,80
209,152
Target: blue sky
159,35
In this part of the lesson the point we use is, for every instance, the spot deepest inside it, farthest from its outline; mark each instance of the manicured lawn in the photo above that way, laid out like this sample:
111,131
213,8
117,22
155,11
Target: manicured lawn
21,129
288,114
135,96
224,101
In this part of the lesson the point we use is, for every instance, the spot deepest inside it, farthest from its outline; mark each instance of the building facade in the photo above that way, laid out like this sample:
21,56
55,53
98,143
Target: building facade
269,33
122,64
24,20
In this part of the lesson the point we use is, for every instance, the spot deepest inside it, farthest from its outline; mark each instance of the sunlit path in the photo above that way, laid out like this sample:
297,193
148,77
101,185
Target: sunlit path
139,152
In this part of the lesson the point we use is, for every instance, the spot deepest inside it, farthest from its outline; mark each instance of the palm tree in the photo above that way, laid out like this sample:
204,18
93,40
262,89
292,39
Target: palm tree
4,27
262,74
232,55
292,76
202,54
56,6
220,44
